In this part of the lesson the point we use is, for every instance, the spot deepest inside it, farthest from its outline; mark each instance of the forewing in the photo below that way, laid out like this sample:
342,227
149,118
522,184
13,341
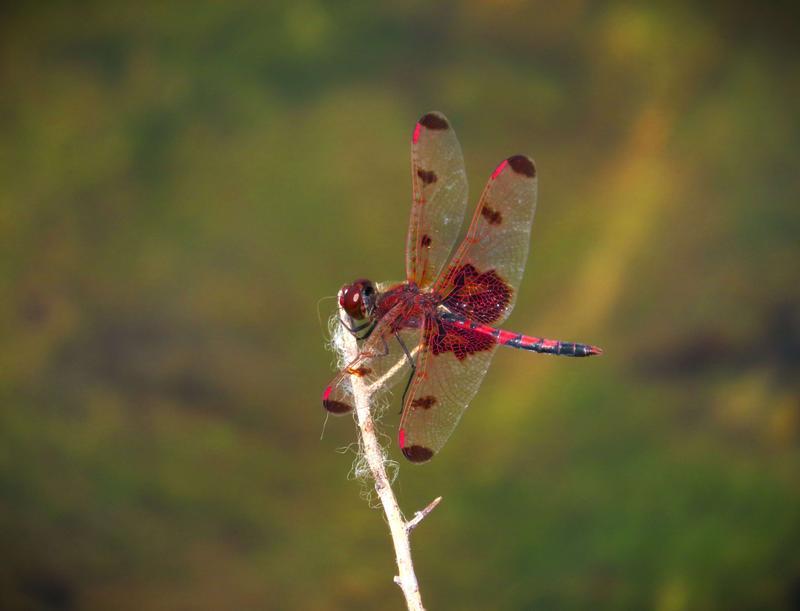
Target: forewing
482,281
450,368
440,198
380,364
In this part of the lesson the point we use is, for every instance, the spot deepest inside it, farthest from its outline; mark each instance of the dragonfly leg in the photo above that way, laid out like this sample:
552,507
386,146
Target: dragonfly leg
355,330
413,369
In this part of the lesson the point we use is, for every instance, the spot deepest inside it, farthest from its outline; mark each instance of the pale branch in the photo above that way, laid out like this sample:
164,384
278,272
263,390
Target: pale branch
375,458
420,515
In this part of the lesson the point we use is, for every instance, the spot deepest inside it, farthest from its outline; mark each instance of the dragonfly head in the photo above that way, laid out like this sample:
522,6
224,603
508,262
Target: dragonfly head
358,299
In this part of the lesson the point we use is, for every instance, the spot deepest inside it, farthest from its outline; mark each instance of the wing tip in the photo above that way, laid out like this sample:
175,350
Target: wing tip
522,164
434,120
332,406
414,453
417,454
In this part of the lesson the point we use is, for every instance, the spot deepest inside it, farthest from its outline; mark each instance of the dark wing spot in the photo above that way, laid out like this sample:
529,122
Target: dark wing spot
425,240
434,120
424,402
359,371
478,296
427,177
493,217
336,407
522,165
417,454
444,336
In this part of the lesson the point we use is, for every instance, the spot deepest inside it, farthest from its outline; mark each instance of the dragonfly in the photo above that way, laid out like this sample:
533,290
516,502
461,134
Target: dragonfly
439,329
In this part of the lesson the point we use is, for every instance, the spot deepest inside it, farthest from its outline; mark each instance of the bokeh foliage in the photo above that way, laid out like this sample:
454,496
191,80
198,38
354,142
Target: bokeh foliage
181,183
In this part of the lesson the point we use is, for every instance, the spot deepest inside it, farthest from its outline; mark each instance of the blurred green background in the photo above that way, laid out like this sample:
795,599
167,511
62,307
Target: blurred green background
181,183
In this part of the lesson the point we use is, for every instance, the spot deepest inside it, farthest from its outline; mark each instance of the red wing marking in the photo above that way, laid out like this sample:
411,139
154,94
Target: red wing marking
499,169
439,185
452,337
450,367
482,280
479,296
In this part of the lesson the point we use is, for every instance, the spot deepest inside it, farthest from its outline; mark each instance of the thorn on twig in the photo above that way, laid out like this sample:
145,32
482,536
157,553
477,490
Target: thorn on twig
421,515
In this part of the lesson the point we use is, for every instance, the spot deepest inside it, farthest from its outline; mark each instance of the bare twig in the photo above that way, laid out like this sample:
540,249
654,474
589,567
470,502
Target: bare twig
420,515
399,528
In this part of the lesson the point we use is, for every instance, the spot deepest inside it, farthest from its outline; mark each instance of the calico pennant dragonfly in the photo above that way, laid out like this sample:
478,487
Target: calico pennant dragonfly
435,329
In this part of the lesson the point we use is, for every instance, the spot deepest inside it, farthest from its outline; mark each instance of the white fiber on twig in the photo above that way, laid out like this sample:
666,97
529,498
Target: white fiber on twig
372,464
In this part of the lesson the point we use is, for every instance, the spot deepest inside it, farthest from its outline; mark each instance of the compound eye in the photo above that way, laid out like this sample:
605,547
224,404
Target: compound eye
350,300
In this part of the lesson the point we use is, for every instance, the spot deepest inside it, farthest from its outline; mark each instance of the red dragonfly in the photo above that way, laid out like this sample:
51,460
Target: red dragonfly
435,326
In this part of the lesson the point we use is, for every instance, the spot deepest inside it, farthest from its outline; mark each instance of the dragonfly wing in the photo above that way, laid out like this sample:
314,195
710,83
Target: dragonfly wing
440,198
450,368
482,280
381,362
